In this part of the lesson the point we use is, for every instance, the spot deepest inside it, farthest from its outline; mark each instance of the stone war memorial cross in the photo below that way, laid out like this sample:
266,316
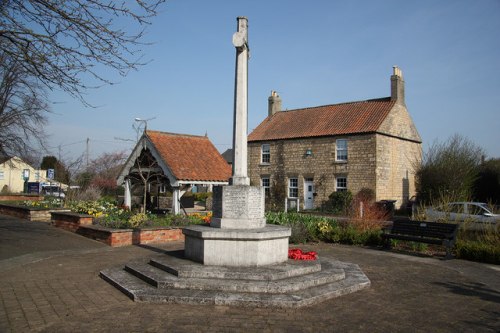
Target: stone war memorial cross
238,259
238,234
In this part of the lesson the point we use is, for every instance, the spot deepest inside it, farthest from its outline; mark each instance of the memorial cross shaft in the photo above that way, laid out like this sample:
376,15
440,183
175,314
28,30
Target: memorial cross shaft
240,119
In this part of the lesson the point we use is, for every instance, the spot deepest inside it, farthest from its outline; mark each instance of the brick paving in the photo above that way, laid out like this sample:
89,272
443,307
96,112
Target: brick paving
49,283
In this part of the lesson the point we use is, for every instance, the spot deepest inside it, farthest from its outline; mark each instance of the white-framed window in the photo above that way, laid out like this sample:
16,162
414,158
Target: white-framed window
293,188
162,188
265,154
341,183
341,150
266,184
2,174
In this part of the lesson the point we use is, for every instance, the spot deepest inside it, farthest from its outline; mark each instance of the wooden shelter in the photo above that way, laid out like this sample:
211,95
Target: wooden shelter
177,161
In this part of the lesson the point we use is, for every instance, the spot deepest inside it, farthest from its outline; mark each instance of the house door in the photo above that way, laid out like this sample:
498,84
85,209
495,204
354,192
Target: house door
308,193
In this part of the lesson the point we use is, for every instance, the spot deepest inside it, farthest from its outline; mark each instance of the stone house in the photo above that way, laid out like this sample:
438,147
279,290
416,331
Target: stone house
311,152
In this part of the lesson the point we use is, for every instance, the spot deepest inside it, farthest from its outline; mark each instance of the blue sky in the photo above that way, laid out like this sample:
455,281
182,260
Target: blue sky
312,53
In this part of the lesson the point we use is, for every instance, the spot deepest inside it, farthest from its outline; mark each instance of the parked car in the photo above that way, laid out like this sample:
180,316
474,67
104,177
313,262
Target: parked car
463,212
54,191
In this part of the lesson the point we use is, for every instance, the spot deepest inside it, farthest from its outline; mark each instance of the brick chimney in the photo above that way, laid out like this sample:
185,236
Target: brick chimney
397,85
274,103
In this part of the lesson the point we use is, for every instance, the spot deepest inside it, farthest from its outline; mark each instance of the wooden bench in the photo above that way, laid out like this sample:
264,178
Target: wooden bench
423,232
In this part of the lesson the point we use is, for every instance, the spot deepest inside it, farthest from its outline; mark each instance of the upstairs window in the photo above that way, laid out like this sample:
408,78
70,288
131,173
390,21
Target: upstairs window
341,150
265,154
293,188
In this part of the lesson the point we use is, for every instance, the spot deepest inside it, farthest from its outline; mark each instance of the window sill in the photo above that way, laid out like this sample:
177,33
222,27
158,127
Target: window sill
341,162
264,164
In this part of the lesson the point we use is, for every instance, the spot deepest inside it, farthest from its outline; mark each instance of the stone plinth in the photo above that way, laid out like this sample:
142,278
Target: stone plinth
237,247
238,207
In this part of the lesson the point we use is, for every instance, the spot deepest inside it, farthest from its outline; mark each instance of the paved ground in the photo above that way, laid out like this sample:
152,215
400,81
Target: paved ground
49,283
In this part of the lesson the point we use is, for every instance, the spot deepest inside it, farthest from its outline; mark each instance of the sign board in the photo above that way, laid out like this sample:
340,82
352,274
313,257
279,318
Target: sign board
50,173
33,187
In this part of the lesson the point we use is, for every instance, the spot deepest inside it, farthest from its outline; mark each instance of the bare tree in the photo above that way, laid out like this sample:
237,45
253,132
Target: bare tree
108,164
103,170
64,43
23,108
449,170
148,172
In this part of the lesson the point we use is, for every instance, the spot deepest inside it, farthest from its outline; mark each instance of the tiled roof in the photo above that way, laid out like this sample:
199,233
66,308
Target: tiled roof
327,120
190,157
228,155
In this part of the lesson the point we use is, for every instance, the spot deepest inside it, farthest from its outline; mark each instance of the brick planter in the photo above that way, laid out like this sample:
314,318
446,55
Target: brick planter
82,225
20,197
69,220
30,214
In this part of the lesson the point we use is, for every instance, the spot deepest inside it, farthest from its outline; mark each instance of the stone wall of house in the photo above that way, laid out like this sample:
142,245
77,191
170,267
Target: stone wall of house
398,154
396,164
398,123
290,160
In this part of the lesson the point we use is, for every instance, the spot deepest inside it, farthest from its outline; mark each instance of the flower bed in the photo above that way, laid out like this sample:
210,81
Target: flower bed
107,214
34,214
82,225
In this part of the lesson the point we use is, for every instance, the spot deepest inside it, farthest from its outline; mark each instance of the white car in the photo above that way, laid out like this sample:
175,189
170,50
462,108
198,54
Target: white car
54,191
462,212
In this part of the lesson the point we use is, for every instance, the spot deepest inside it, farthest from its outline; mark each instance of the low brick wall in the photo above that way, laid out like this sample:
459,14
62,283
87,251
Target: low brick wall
30,214
124,237
82,225
20,197
69,220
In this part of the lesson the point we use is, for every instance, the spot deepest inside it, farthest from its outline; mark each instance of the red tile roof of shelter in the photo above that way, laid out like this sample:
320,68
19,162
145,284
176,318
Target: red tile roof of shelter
190,157
336,119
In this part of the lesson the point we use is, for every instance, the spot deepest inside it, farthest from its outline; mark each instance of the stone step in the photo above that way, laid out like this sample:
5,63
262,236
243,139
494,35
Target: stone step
190,269
161,279
127,283
141,291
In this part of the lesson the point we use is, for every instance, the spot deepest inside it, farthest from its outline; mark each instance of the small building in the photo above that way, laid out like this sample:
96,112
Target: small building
175,162
308,153
13,171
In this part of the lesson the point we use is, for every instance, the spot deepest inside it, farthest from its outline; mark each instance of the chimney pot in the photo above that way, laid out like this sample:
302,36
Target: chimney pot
397,85
274,103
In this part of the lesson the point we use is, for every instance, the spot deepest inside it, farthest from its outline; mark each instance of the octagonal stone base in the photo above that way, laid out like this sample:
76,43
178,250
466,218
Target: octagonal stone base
237,247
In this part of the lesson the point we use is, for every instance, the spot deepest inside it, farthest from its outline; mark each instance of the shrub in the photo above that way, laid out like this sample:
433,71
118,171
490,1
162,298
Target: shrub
91,193
137,220
366,195
306,228
339,202
478,251
201,196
